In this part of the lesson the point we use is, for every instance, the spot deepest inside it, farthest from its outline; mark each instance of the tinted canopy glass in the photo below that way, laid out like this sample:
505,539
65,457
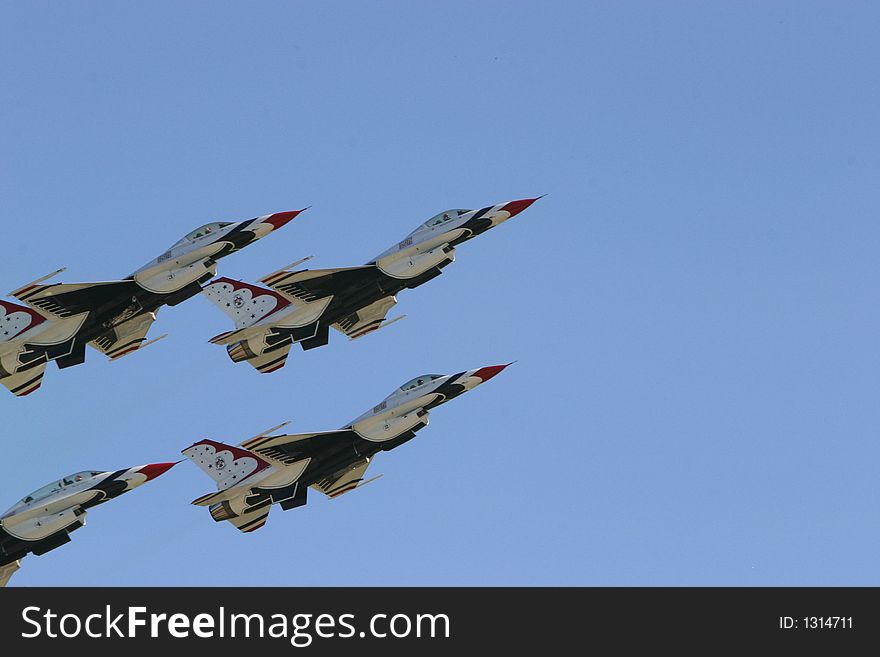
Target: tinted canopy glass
442,218
57,486
420,381
206,230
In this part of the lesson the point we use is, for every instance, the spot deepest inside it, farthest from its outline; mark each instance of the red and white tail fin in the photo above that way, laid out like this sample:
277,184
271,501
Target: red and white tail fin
244,303
16,319
225,464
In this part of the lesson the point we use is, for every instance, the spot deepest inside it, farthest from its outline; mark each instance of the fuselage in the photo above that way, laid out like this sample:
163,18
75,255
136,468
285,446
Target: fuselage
44,519
192,256
454,227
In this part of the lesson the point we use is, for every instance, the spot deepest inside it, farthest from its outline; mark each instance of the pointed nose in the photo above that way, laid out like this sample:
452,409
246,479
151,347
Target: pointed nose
515,207
279,219
486,373
153,470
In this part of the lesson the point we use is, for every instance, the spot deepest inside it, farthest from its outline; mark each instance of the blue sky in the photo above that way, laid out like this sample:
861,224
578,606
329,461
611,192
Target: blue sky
692,306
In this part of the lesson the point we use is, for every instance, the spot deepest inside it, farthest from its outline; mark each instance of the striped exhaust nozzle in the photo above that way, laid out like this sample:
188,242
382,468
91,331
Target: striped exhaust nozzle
222,511
239,352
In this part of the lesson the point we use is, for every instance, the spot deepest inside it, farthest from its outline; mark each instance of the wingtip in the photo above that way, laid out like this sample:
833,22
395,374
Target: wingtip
33,284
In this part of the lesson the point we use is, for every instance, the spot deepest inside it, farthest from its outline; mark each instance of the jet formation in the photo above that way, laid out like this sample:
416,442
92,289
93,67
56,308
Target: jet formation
287,307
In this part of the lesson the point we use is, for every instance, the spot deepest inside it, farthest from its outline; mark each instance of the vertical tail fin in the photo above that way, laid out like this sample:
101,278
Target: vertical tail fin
244,303
16,319
225,464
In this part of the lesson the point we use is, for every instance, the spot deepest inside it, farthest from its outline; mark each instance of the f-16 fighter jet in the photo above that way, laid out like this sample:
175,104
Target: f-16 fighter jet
43,520
301,306
112,316
268,469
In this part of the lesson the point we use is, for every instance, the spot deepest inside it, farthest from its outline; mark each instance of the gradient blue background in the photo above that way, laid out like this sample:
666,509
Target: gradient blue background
693,305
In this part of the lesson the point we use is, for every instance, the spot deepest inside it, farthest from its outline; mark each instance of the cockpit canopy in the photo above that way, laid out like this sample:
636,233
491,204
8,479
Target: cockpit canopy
57,486
420,381
441,218
204,231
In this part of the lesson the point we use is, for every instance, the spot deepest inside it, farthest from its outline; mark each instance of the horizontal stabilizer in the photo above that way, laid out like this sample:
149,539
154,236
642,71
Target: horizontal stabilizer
26,381
210,498
265,363
252,520
227,338
8,571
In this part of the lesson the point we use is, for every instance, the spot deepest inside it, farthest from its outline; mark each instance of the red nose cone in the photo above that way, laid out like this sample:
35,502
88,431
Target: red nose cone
153,470
280,218
487,373
515,207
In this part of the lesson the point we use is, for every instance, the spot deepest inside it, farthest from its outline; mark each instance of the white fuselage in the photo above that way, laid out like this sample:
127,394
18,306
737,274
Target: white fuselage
428,245
182,264
404,409
45,514
194,256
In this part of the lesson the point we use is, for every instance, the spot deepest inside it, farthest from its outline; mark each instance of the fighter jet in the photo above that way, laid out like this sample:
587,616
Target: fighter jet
43,520
301,306
113,316
267,469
